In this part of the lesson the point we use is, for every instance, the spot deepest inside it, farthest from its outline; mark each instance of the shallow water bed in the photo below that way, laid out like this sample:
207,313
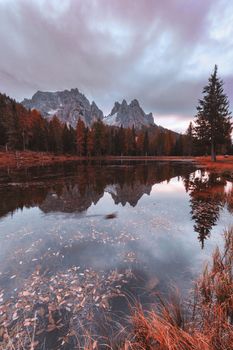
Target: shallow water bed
76,240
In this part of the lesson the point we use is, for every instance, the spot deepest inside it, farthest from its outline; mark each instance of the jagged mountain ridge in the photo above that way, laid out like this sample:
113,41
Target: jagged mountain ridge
67,105
70,105
129,115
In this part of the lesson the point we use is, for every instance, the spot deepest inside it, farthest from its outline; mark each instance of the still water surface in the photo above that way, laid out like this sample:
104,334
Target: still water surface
102,230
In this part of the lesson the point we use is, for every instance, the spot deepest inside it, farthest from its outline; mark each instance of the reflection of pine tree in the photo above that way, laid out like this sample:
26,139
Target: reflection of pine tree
205,213
207,199
186,181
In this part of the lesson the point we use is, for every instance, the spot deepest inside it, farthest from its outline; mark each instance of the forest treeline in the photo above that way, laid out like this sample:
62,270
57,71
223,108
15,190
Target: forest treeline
22,129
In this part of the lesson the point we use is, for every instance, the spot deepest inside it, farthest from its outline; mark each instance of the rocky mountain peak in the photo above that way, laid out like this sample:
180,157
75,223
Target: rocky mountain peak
115,108
96,112
93,104
128,115
134,103
68,105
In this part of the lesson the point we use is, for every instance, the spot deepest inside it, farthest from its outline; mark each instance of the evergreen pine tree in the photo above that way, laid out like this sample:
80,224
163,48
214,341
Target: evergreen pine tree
213,124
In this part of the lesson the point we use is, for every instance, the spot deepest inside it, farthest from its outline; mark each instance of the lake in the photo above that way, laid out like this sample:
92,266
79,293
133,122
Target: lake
79,241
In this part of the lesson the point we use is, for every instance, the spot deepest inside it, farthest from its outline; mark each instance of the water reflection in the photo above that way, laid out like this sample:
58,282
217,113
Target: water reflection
74,188
207,199
60,245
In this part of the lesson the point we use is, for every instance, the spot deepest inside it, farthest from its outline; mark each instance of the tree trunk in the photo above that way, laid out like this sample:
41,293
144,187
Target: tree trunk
213,152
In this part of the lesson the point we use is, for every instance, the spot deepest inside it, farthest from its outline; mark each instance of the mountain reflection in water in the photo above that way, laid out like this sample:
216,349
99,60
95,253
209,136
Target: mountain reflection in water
60,243
75,187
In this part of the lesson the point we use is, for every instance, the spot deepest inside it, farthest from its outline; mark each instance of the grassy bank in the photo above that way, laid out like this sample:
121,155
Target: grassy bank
222,164
29,158
204,323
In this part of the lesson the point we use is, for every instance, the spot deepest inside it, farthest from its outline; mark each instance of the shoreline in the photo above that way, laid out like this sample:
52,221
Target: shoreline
24,159
223,163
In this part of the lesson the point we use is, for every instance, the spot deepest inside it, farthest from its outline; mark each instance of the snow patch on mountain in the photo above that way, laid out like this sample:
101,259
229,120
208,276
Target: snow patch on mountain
52,112
111,120
129,115
70,105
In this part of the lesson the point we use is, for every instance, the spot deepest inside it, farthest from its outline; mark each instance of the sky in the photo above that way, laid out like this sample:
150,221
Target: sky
160,52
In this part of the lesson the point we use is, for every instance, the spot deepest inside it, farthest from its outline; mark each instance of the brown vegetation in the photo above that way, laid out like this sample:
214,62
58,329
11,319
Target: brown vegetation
207,324
223,163
30,158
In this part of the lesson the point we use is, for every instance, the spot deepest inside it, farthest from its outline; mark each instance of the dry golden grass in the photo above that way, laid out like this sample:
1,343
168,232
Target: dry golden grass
222,163
21,159
207,324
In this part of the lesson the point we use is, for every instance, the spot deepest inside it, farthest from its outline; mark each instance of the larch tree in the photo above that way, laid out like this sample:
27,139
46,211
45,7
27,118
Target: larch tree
90,142
80,137
140,143
146,144
213,121
98,128
55,135
69,139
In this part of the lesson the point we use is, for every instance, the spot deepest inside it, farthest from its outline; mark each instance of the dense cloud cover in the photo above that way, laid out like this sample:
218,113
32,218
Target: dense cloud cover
158,51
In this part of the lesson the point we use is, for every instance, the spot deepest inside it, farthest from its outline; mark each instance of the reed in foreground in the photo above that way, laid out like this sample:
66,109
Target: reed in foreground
206,323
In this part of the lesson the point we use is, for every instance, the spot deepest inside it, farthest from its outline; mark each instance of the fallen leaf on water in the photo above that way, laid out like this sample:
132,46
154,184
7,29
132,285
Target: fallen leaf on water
15,316
26,293
33,345
94,346
51,327
40,331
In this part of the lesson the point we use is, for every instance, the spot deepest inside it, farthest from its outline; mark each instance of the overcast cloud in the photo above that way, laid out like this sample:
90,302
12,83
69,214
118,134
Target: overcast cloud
158,51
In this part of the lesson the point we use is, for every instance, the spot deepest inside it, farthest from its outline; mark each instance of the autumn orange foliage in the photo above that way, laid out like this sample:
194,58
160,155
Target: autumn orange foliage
223,163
